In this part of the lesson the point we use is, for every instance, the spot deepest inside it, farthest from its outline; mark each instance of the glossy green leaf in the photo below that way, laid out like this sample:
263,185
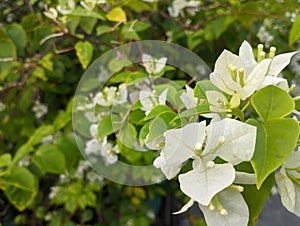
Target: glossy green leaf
84,52
272,102
50,158
5,159
108,125
86,13
275,141
20,186
156,111
117,15
156,129
100,30
17,34
295,31
87,24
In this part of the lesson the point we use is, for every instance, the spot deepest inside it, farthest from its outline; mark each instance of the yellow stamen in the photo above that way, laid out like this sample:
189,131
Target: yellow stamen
272,52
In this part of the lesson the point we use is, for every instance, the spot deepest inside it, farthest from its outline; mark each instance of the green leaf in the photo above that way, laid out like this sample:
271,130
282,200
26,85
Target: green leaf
39,134
84,52
8,52
137,116
108,125
100,30
157,110
156,129
116,15
86,13
87,24
67,145
47,62
275,141
295,31
61,120
127,135
272,102
128,76
50,158
200,109
20,186
17,34
5,159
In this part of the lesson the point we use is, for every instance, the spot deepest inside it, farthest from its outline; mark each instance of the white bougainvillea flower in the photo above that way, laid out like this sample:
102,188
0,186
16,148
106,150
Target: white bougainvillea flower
179,5
149,100
232,77
180,144
109,152
204,182
219,103
112,95
287,180
278,63
188,98
169,170
153,66
66,7
90,4
239,141
228,208
51,13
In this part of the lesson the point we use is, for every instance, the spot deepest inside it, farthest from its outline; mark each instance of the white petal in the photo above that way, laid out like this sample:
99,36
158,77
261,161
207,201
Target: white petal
145,100
180,143
276,81
279,63
170,171
185,207
148,63
216,100
286,190
163,97
246,53
187,100
240,139
202,184
122,94
234,204
245,178
293,161
255,79
159,65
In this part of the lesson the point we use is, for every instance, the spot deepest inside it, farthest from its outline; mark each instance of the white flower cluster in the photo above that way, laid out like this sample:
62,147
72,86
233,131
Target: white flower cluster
39,109
214,185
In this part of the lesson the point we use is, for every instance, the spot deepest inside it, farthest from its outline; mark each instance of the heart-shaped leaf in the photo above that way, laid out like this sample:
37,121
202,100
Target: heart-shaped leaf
276,139
272,102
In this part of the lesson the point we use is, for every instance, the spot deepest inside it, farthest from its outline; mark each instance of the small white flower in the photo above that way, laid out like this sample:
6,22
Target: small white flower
51,13
48,139
53,192
149,100
218,102
39,109
153,66
112,95
109,152
66,7
90,4
232,77
188,98
179,5
278,63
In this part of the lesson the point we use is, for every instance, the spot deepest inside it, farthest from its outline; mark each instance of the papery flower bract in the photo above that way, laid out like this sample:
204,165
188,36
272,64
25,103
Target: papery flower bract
239,141
231,76
153,66
90,4
149,100
179,5
234,213
278,63
218,102
287,180
188,98
203,183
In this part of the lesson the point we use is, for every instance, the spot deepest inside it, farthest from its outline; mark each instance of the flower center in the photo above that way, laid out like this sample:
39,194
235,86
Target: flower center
261,55
237,75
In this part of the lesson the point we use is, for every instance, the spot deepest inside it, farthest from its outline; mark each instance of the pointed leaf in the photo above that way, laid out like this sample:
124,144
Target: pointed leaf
84,52
276,140
117,15
272,102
